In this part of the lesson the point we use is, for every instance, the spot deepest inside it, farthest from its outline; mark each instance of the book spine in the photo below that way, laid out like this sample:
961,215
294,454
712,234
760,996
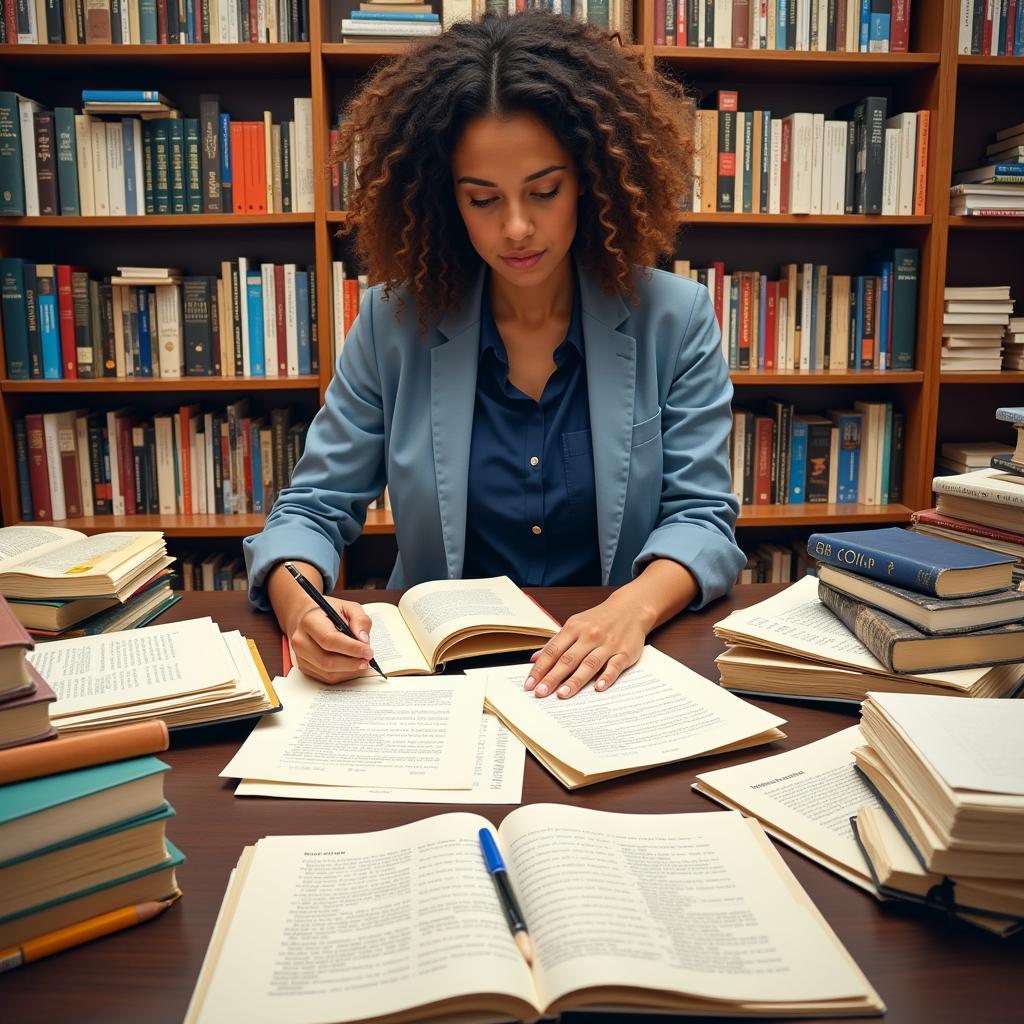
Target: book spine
15,317
12,188
819,444
176,164
39,477
46,164
209,121
22,461
864,622
954,486
193,176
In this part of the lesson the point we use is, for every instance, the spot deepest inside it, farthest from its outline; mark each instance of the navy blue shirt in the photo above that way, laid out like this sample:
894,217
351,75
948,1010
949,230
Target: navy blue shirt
531,511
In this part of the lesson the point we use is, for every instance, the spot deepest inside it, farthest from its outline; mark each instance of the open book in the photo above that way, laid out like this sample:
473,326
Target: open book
51,562
445,620
691,913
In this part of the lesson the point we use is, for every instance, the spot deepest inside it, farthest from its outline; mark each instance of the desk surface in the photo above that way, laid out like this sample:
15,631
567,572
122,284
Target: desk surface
924,969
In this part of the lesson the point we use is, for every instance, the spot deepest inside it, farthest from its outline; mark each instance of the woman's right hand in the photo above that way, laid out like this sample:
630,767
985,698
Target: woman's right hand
320,650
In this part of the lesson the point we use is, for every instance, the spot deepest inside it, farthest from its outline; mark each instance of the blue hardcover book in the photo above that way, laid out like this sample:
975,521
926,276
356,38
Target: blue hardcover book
886,454
798,461
858,336
145,335
254,300
131,195
49,330
878,33
1011,414
15,316
121,96
999,27
225,163
1018,32
302,319
916,561
387,16
148,31
67,161
24,481
882,327
865,25
12,173
761,325
780,24
190,19
850,425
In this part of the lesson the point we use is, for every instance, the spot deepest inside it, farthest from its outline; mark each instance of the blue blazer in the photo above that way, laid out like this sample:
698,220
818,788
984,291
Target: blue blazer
399,412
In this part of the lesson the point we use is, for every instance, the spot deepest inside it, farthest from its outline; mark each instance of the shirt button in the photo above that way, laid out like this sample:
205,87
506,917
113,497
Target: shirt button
534,460
535,529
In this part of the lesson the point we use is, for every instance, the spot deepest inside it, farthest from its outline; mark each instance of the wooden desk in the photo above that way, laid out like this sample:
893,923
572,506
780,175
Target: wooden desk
924,969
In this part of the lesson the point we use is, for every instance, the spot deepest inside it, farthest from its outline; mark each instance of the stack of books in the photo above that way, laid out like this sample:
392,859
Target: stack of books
1013,344
973,323
985,32
921,604
965,456
795,645
60,583
82,834
995,189
388,21
951,780
25,697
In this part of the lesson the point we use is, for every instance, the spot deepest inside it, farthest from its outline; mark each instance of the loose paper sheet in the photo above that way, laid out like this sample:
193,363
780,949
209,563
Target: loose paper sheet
419,733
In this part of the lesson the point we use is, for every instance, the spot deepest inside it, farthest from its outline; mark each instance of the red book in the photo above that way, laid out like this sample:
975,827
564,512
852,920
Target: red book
746,313
841,21
161,21
185,458
659,22
719,268
66,318
34,725
225,458
279,314
741,24
770,325
66,445
784,176
254,24
14,643
255,197
247,460
1011,21
238,197
335,175
126,463
763,427
986,31
11,17
899,26
351,302
260,146
932,517
38,474
680,24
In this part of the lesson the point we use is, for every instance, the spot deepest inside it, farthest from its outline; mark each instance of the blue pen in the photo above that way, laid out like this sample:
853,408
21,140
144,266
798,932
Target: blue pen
514,916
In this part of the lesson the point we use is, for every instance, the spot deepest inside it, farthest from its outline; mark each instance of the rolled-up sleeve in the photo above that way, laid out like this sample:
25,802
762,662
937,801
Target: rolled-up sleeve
341,471
698,509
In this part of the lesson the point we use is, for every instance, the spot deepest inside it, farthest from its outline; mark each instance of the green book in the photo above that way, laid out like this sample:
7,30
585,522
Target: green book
176,163
161,165
193,177
67,161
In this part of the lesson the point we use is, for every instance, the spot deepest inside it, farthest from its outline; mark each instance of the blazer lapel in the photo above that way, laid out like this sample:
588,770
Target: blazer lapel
611,383
453,368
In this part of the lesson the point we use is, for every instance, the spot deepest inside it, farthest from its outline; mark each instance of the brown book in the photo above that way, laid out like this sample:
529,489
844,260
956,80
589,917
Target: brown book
81,750
27,719
15,680
38,472
46,164
67,444
97,21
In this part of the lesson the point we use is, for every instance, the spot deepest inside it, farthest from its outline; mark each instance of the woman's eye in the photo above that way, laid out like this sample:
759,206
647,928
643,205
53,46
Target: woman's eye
547,195
483,202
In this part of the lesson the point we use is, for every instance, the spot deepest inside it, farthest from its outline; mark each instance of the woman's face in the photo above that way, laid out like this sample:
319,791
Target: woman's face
517,190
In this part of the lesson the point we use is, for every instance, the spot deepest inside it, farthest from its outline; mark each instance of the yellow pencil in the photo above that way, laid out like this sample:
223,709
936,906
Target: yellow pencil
83,931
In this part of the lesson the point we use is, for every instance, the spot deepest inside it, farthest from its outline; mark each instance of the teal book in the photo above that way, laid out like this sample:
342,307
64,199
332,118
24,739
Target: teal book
41,814
176,164
193,176
67,161
929,565
12,173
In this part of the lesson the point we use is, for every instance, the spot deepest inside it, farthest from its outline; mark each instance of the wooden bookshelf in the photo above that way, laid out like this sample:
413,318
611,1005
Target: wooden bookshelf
975,92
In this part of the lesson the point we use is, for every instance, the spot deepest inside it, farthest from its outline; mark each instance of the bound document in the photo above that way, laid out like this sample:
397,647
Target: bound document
446,620
686,913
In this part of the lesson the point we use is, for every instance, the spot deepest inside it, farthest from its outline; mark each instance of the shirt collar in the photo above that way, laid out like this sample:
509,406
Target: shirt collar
490,337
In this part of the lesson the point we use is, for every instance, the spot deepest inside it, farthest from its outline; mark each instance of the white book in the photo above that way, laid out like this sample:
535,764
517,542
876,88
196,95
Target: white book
198,439
101,188
51,442
891,173
698,168
817,160
302,184
833,173
833,467
291,320
84,468
268,162
170,331
739,442
208,446
737,202
338,307
907,125
701,23
33,34
723,24
154,338
137,169
775,169
115,168
803,24
243,311
275,167
806,302
163,429
83,153
26,115
823,6
801,158
270,367
116,494
840,339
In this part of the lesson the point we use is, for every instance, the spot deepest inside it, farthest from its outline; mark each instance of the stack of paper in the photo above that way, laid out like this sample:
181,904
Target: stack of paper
187,673
1013,344
791,645
973,322
656,713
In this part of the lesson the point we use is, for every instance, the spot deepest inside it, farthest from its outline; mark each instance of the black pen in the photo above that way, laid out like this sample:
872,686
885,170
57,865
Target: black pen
336,620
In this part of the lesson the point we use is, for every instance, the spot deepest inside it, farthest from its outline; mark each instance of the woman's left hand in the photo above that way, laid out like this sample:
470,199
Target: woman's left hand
599,643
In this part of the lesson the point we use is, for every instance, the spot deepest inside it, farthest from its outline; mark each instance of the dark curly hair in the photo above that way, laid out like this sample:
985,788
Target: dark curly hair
629,131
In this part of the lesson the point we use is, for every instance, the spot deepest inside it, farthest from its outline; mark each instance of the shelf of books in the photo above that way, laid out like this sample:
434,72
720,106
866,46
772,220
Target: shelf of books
829,285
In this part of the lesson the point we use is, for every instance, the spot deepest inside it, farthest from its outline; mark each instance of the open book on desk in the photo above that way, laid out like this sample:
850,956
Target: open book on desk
692,913
446,620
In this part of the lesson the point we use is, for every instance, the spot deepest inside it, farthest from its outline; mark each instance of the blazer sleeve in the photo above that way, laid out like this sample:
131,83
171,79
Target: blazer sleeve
698,509
341,470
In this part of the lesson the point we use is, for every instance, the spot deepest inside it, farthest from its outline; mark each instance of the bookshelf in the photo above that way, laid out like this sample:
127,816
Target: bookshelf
968,96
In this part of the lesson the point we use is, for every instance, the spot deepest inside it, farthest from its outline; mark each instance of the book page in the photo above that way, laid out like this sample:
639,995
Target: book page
397,733
796,622
657,711
497,778
19,543
394,646
808,795
88,556
978,747
139,665
680,902
436,611
340,928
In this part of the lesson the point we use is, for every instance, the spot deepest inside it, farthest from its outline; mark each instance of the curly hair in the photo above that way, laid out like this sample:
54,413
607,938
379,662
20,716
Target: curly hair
629,131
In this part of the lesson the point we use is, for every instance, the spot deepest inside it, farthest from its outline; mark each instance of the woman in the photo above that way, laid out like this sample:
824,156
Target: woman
551,410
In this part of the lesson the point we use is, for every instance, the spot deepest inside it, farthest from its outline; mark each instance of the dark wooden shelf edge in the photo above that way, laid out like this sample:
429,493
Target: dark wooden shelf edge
157,385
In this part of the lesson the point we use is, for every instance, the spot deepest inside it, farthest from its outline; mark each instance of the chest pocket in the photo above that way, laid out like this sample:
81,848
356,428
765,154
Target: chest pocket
578,460
646,431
